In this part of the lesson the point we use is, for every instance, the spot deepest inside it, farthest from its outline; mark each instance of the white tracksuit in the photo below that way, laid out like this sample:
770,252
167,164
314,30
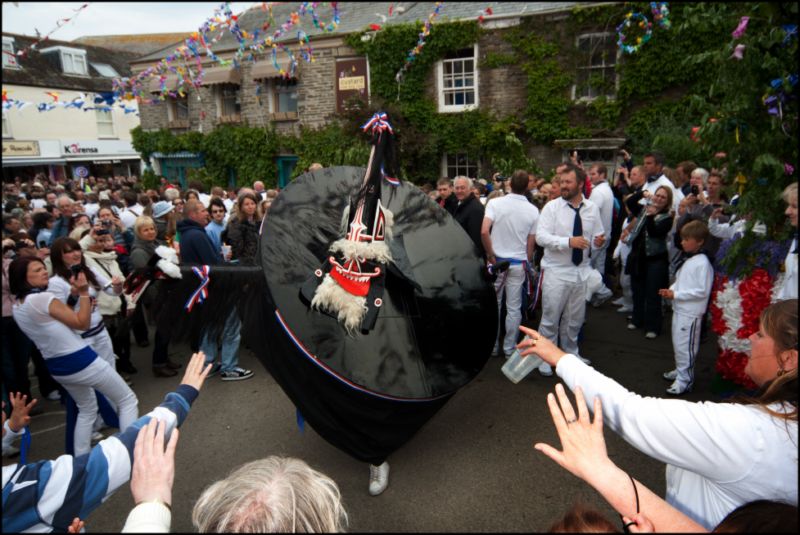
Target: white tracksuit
692,288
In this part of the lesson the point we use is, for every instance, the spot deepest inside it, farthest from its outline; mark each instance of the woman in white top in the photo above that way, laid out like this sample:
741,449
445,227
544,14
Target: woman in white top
52,326
719,455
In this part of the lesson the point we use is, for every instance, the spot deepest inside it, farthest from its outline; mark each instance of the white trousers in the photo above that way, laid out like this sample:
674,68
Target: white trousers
100,376
686,343
102,345
510,282
625,280
563,310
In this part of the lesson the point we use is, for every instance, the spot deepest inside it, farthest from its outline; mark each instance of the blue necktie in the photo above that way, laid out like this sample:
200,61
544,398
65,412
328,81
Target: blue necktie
577,230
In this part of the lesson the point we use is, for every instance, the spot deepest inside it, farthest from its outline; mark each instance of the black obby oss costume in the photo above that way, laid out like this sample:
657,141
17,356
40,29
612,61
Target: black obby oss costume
375,310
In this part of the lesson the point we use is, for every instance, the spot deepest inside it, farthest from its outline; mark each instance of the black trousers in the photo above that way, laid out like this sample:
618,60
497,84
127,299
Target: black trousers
119,329
652,275
18,350
139,323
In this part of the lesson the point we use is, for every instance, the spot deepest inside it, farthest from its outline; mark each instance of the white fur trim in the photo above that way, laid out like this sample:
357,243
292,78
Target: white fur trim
375,251
167,253
350,309
170,269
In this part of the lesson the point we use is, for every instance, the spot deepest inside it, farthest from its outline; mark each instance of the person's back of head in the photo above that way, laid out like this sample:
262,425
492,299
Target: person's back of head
129,197
580,519
519,182
272,495
761,516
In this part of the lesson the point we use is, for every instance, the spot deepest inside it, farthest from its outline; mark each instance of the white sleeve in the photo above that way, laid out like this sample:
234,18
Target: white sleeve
545,230
535,222
102,280
148,517
40,303
59,288
710,439
489,212
597,223
10,435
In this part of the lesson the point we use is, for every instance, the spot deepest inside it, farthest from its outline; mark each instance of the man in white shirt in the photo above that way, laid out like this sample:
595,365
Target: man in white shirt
508,234
603,197
653,169
567,227
133,209
258,187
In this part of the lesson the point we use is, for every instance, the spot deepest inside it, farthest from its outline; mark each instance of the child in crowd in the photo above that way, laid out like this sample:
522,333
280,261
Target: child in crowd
689,294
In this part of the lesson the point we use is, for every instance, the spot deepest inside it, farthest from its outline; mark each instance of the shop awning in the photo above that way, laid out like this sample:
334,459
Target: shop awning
222,75
9,162
182,154
265,69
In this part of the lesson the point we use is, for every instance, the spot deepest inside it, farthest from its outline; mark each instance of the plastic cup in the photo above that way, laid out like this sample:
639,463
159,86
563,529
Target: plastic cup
226,250
517,367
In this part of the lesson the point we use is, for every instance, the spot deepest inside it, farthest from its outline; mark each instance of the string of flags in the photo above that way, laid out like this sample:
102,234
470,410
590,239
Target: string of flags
104,102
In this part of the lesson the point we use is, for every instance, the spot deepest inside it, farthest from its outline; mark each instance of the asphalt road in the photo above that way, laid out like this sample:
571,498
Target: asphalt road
471,468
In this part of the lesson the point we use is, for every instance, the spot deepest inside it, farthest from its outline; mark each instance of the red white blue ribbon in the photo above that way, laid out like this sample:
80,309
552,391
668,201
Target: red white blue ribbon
201,294
391,180
378,122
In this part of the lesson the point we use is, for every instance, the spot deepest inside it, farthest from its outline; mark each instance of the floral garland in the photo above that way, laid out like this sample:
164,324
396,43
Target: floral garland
643,23
737,303
660,12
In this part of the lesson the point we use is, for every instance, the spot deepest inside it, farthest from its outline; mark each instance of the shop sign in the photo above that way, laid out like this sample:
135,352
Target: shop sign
351,81
76,148
80,172
20,148
106,162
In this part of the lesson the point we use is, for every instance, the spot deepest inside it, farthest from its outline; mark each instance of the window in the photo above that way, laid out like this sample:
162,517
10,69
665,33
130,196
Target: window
6,126
229,100
73,60
459,164
596,68
178,109
458,81
105,70
285,96
105,123
9,59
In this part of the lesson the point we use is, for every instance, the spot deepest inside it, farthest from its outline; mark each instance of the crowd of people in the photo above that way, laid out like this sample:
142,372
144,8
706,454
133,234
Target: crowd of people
555,246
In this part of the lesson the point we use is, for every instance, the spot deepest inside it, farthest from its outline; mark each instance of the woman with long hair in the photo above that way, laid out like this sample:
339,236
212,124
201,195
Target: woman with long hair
53,327
648,261
242,231
718,455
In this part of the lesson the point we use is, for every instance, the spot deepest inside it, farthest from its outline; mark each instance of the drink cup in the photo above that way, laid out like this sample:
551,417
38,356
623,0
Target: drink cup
226,250
517,367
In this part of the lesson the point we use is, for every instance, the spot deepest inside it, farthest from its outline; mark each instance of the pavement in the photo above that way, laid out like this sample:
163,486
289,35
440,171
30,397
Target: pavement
471,468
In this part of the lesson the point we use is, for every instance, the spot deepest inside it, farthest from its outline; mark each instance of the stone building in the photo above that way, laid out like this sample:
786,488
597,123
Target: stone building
255,94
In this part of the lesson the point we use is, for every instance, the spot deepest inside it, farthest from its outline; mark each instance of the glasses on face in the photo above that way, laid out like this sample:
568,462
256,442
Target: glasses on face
217,211
176,203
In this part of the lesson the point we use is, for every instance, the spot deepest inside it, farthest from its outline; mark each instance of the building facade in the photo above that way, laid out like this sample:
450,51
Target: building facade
40,136
255,94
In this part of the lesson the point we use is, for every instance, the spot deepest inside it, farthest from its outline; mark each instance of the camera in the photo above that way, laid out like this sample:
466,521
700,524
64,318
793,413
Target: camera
102,232
695,190
501,178
76,270
106,223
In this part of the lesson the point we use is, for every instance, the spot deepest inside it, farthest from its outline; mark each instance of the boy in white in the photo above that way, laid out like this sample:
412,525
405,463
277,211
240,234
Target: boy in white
689,294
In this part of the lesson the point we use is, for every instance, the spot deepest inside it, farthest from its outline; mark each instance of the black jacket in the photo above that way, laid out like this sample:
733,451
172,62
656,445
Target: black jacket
470,216
449,203
196,246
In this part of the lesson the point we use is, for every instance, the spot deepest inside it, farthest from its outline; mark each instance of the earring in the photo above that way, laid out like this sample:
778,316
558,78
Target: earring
781,372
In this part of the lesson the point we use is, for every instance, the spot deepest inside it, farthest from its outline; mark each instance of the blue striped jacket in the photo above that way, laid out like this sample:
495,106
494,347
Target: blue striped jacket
45,496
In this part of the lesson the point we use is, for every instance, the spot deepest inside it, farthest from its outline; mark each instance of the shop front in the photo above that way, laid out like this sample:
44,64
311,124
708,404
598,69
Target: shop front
100,158
26,159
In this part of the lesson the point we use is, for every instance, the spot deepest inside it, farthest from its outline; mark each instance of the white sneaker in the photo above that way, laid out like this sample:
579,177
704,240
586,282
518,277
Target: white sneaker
670,375
378,478
55,395
631,327
677,390
618,302
545,369
97,436
625,309
651,335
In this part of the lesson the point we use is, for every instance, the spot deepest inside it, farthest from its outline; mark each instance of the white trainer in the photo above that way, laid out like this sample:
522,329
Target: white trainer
378,478
670,375
676,390
618,302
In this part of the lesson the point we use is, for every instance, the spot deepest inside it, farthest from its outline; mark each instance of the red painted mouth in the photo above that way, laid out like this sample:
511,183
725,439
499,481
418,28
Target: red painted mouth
350,277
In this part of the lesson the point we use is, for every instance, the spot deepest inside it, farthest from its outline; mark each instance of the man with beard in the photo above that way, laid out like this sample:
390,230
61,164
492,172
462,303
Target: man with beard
567,227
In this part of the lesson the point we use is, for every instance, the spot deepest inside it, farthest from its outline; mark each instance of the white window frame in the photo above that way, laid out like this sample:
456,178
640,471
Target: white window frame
459,171
455,108
99,66
218,93
99,114
9,56
617,57
73,54
6,126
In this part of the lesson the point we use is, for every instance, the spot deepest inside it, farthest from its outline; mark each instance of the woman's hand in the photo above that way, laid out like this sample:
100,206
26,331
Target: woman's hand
540,346
153,466
196,371
79,285
666,293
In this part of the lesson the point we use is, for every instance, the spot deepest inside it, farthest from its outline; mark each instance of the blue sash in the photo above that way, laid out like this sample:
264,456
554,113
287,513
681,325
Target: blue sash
72,363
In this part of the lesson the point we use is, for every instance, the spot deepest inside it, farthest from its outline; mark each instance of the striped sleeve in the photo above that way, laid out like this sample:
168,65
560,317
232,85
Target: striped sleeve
47,495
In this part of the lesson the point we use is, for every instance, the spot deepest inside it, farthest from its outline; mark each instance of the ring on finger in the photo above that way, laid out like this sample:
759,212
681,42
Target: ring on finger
572,421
